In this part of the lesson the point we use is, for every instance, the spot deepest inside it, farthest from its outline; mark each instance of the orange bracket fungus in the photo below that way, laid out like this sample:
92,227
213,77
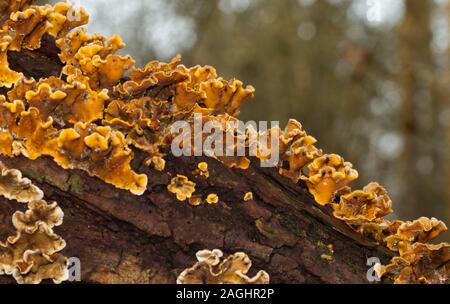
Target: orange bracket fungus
327,174
212,269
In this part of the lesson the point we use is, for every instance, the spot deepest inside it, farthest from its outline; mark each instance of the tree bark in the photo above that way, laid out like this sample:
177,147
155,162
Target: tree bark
123,238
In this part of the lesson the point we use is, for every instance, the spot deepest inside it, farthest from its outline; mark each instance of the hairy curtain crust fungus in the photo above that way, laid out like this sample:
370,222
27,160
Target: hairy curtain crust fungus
101,152
182,187
67,103
14,186
327,174
378,229
24,29
421,230
92,115
38,211
212,269
10,6
366,205
154,76
189,87
195,200
297,149
422,263
32,254
33,257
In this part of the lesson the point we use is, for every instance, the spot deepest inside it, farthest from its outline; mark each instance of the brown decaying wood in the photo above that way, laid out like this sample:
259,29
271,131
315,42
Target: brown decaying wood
123,238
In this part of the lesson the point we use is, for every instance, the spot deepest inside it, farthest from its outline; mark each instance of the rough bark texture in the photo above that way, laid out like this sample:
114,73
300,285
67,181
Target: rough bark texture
122,238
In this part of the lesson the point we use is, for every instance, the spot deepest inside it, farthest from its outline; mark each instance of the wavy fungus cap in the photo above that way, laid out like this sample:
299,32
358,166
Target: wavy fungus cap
422,263
421,230
212,269
327,174
366,205
14,186
182,187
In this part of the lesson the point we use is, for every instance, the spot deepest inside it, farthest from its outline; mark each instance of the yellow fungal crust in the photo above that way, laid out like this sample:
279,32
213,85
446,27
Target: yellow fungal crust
91,116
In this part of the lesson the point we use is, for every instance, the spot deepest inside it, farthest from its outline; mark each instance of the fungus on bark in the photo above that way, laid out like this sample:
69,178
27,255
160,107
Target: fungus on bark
327,174
297,149
15,187
90,118
421,230
212,269
248,196
32,254
361,206
422,263
182,187
202,169
212,198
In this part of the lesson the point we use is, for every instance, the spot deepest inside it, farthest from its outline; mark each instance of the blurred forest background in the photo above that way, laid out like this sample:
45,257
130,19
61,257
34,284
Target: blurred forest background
370,79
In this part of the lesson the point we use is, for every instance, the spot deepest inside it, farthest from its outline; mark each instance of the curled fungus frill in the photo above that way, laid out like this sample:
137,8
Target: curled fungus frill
421,264
421,230
26,27
297,149
211,268
32,254
66,103
14,186
327,174
361,206
8,7
49,116
182,187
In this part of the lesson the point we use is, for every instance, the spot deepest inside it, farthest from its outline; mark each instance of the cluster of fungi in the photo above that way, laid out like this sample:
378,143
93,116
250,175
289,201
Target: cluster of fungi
101,108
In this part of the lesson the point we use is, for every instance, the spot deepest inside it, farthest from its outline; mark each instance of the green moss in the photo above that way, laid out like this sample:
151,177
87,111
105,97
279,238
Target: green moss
32,174
76,183
347,260
290,224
